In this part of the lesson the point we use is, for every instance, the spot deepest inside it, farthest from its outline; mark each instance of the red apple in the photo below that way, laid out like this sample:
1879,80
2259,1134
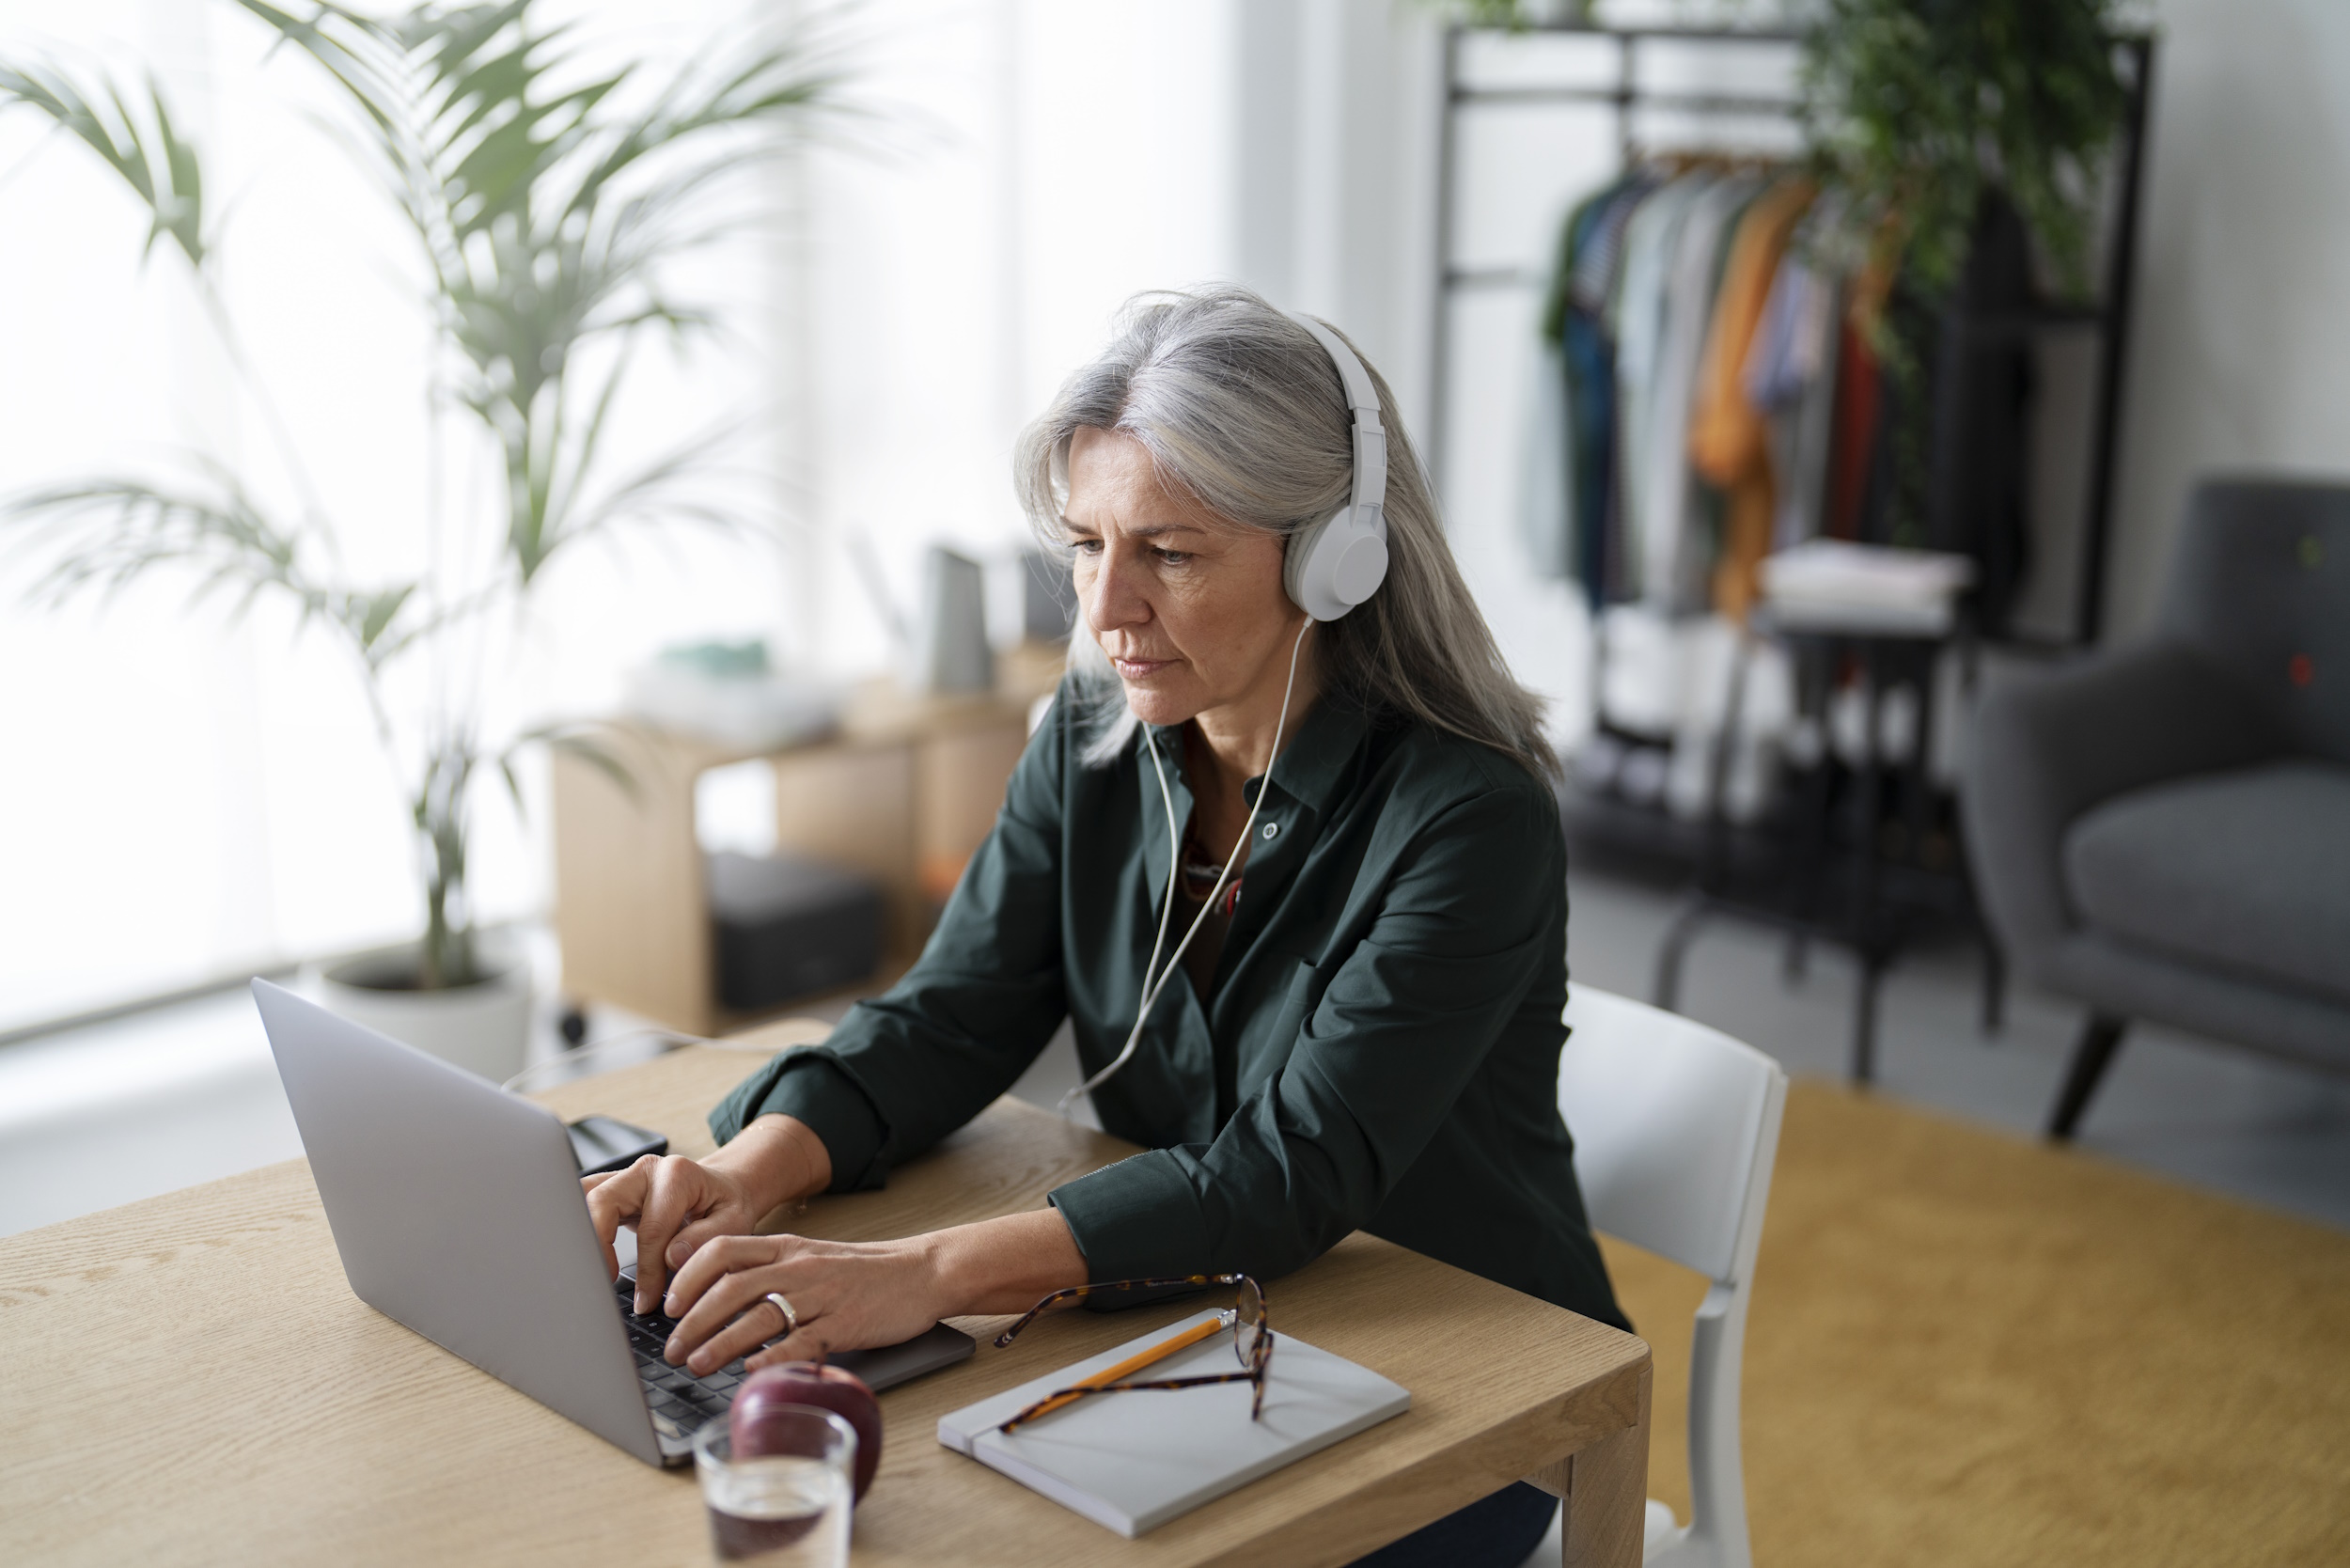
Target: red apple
831,1389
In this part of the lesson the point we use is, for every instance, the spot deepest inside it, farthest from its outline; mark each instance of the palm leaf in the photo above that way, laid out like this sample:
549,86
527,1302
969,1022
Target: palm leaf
594,743
159,165
101,535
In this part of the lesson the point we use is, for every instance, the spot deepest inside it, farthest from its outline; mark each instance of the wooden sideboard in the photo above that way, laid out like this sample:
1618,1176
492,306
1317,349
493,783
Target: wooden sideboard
904,789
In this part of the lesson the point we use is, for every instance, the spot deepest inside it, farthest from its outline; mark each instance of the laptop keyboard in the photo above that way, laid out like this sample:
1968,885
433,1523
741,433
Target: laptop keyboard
679,1402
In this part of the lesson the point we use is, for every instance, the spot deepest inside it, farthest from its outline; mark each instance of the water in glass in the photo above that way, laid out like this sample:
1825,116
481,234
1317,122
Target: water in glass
784,1512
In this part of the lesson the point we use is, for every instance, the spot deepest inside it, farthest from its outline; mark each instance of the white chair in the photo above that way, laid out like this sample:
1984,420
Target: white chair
1675,1129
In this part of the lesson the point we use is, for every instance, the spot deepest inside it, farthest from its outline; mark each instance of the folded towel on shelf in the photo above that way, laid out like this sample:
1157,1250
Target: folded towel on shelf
1833,584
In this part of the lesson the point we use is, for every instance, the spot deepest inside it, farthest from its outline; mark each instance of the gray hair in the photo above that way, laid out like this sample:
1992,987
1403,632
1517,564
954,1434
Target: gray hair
1238,405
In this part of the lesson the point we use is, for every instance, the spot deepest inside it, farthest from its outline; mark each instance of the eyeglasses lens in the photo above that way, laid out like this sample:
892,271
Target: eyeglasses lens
1247,1322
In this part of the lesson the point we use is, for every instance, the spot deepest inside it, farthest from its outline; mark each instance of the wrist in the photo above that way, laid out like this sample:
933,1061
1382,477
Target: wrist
1001,1265
774,1160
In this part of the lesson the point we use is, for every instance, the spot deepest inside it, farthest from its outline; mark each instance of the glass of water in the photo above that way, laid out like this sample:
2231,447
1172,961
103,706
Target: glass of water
789,1507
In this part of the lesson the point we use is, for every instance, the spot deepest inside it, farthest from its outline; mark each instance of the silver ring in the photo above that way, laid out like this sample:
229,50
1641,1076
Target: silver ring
790,1318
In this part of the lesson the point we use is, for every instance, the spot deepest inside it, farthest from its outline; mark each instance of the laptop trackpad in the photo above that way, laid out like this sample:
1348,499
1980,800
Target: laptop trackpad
887,1366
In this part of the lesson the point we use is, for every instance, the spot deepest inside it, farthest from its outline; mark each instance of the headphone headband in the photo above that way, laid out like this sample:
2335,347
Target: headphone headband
1371,436
1337,563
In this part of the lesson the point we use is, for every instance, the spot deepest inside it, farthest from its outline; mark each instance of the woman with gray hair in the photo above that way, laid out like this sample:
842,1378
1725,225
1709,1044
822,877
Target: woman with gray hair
1283,852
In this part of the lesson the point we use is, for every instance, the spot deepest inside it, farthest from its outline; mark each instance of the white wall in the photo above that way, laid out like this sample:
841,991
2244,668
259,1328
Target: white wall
1036,163
2241,341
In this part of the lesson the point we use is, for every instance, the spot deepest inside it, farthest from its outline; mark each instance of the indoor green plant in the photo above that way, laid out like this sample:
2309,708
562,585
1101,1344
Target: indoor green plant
1918,113
1915,108
546,209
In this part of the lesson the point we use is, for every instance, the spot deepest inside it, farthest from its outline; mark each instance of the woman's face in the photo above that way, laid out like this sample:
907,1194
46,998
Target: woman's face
1189,608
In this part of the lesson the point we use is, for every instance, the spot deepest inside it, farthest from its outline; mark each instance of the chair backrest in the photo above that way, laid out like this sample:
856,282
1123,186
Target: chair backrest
2259,582
1675,1126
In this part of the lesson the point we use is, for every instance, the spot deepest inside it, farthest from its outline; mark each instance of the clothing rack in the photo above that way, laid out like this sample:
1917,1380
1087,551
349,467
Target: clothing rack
2108,315
1872,922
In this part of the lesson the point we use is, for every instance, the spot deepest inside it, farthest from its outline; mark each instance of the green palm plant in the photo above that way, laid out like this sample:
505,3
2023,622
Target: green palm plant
547,210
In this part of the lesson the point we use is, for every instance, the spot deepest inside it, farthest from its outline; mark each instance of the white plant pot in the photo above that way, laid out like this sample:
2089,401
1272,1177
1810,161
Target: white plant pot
483,1027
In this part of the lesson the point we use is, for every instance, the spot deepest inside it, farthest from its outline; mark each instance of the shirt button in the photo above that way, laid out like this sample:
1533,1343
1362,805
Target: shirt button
1272,830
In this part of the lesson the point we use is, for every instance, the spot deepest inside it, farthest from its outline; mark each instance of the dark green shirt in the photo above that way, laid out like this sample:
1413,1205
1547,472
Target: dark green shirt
1379,1050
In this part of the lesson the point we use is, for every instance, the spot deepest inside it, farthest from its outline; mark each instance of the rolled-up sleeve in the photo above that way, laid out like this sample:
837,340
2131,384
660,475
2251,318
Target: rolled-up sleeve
907,1068
1465,925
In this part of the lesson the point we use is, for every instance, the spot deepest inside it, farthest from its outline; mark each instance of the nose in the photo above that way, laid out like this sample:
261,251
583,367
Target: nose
1113,593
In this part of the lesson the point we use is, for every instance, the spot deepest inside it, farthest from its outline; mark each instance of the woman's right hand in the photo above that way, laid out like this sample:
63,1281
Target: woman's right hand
675,1204
670,1201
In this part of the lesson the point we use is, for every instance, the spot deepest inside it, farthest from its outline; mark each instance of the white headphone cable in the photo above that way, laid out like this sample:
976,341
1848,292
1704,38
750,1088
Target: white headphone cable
1174,870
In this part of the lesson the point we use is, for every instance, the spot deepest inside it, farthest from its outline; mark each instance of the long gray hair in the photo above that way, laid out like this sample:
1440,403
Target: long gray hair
1238,405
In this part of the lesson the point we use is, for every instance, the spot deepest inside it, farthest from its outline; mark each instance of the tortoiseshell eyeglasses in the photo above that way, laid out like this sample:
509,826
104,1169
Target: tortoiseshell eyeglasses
1252,1341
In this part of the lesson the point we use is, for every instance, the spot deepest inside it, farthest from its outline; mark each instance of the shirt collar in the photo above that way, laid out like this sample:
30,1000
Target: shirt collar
1314,763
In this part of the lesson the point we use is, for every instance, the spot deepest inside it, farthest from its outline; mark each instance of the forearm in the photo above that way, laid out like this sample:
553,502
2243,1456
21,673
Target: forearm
777,1159
1003,1265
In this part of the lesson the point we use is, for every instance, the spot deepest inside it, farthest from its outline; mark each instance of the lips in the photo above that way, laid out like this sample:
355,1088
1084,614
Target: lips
1138,669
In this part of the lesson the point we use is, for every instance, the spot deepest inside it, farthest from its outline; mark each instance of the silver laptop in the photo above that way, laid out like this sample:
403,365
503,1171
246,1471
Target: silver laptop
458,1212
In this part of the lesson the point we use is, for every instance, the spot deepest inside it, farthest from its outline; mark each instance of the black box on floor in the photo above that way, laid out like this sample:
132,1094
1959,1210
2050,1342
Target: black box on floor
787,927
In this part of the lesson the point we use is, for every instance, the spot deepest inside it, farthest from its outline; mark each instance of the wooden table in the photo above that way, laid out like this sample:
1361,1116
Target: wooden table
191,1380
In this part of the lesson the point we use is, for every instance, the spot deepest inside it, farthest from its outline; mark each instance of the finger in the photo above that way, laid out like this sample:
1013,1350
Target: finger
811,1344
610,1204
751,1328
708,1227
713,1262
673,1194
726,1276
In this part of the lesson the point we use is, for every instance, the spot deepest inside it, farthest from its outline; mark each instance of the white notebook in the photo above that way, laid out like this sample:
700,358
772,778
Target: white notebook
1134,1460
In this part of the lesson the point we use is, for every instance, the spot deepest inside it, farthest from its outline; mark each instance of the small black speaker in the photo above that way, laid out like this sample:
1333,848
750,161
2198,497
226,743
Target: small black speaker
789,927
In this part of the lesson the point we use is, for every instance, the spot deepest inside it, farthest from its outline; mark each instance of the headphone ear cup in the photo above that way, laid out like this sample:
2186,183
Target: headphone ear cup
1336,564
1298,556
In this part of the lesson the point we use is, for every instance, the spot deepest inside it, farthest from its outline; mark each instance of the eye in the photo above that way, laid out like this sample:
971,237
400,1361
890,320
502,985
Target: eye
1172,557
1085,546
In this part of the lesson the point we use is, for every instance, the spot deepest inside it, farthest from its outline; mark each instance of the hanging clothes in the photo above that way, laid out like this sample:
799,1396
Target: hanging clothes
1790,376
1853,437
1652,239
1598,269
1673,539
1727,441
1575,318
1558,489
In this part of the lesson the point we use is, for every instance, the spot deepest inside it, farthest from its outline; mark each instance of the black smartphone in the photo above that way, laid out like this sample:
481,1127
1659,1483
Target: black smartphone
601,1143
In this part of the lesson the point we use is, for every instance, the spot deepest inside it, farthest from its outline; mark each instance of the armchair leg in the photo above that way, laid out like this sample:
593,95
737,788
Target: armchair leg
2101,1038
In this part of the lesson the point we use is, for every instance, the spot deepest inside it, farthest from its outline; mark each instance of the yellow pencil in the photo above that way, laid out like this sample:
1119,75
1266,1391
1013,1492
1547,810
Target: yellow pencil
1134,1363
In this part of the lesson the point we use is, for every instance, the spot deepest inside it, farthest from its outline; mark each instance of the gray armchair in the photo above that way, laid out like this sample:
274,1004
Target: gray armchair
2163,832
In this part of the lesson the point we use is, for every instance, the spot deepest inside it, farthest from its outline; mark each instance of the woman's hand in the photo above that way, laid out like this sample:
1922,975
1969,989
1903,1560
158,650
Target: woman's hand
672,1202
853,1296
677,1204
847,1295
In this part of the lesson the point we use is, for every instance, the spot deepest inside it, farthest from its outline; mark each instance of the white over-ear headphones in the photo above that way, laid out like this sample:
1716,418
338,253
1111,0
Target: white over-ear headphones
1337,563
1331,567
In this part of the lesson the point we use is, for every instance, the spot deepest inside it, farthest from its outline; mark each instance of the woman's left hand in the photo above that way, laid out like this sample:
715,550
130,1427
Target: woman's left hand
847,1295
853,1296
